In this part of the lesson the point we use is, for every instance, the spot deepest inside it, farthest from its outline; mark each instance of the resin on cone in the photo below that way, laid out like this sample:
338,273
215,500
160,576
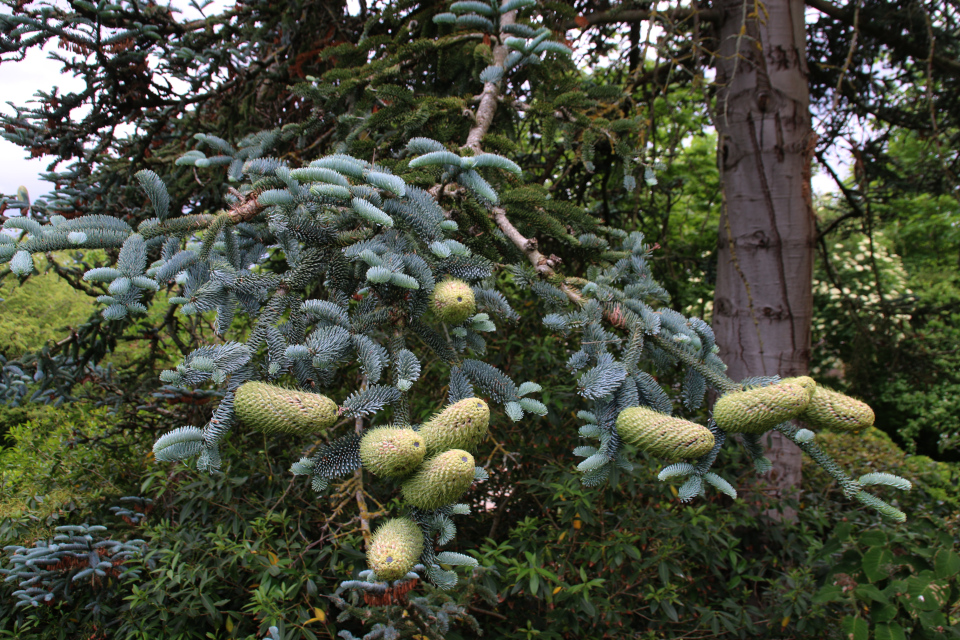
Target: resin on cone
273,409
395,548
663,436
392,452
756,411
453,301
462,425
440,481
833,410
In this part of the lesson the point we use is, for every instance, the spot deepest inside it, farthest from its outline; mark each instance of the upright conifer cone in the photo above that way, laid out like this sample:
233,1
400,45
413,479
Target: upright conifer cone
272,409
663,436
395,548
833,410
391,451
462,425
756,411
453,301
440,481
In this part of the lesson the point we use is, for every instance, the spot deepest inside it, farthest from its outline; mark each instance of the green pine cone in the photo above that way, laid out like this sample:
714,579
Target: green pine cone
663,436
440,481
272,409
395,548
392,452
462,425
453,301
833,410
758,410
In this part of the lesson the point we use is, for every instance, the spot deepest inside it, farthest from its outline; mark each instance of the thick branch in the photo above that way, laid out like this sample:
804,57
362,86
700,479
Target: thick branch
873,29
245,210
528,246
485,112
491,90
544,265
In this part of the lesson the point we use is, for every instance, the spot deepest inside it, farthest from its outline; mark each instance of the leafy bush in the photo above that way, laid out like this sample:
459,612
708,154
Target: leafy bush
37,311
232,555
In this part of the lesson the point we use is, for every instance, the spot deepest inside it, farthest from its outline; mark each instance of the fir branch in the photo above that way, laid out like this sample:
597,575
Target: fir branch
178,444
156,191
370,400
851,488
719,381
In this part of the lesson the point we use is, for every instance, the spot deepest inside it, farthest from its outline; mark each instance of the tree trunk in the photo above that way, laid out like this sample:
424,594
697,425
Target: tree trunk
763,302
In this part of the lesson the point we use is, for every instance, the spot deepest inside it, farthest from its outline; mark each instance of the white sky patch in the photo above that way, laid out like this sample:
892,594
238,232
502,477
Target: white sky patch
20,81
36,72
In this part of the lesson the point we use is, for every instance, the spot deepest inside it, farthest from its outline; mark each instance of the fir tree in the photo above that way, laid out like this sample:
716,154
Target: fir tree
386,251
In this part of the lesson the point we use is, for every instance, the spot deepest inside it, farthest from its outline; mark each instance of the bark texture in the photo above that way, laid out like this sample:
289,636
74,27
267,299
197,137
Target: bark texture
763,302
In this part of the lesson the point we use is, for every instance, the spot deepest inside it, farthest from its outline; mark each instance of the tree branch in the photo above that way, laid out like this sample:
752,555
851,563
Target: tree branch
484,118
528,246
491,90
892,39
544,265
246,209
619,16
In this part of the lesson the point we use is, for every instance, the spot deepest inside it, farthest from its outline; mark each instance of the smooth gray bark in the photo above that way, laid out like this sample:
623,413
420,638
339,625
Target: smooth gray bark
763,302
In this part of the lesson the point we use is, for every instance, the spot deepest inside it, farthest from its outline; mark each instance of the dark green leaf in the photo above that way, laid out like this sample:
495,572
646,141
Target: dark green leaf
891,631
946,563
855,628
875,563
872,539
869,593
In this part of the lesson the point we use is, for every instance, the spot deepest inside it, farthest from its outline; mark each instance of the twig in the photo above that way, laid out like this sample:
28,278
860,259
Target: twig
615,16
358,477
487,613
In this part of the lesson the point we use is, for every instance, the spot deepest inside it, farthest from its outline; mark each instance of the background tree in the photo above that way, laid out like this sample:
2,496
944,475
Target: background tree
763,303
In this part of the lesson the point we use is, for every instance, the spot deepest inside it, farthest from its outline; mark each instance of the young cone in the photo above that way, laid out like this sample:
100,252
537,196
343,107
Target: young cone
462,425
663,436
453,301
395,548
758,410
440,481
272,409
833,410
392,452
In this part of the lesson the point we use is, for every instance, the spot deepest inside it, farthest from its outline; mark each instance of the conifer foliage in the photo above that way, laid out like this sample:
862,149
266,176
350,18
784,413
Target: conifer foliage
386,252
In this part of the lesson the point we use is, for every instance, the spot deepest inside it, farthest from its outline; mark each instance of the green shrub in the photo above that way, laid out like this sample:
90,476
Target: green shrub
230,555
38,311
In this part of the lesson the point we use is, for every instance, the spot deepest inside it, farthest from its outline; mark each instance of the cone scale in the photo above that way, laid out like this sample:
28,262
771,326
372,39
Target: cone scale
833,410
453,301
